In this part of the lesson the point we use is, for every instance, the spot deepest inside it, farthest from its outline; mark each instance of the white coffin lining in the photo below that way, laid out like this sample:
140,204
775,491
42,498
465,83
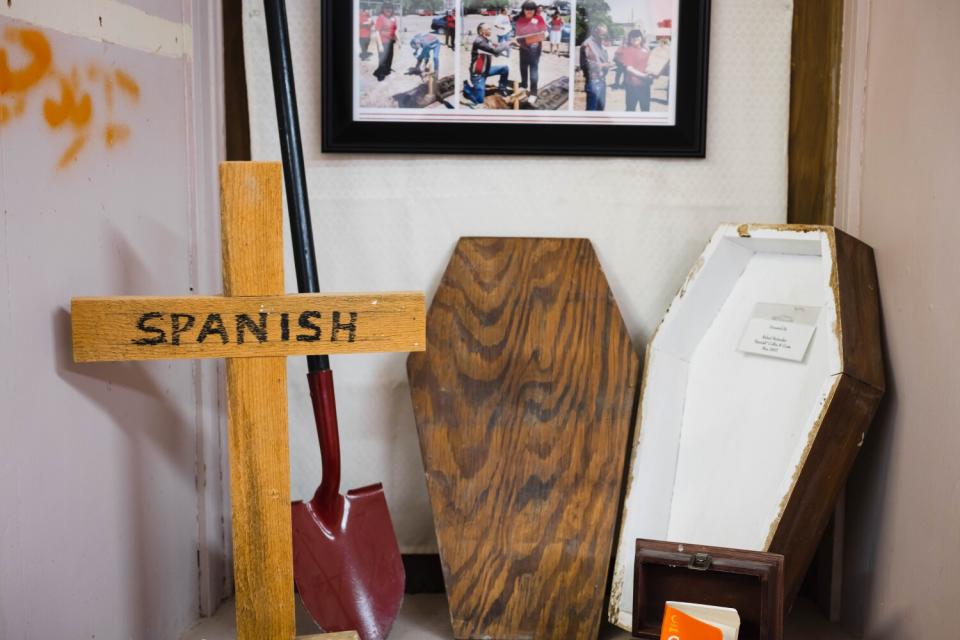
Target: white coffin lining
713,476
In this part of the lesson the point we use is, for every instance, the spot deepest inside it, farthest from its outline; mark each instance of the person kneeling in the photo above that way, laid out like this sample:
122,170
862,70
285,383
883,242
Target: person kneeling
482,67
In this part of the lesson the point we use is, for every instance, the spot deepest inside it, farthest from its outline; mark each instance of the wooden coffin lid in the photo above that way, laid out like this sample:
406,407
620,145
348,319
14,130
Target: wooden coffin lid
523,402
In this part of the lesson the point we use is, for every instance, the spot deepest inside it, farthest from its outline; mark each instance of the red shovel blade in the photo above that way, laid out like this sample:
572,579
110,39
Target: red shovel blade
346,560
349,575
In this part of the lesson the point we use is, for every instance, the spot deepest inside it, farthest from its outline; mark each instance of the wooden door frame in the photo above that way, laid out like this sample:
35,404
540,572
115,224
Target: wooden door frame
814,110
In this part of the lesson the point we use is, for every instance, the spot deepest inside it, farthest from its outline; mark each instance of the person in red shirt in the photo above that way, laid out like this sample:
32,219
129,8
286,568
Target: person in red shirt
365,22
636,79
385,30
556,32
530,29
451,28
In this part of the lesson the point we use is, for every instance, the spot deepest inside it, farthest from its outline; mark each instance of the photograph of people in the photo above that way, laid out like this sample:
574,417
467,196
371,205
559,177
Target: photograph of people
532,43
594,65
385,34
555,25
530,29
623,56
402,61
366,26
632,59
450,27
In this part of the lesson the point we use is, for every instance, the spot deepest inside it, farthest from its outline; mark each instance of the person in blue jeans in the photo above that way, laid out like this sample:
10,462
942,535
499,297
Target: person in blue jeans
595,62
424,45
482,67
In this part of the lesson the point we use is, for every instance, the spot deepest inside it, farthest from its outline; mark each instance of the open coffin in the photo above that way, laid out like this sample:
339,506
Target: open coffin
750,451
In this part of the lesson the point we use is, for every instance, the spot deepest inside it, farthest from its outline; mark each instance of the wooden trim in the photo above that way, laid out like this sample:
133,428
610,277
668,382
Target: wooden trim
850,129
206,138
814,110
235,82
812,179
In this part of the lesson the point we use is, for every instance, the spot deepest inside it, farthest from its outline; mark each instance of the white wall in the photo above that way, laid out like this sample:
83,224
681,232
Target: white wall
104,468
902,574
390,222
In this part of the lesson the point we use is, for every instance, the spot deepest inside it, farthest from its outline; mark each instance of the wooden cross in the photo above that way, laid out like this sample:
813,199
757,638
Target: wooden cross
255,326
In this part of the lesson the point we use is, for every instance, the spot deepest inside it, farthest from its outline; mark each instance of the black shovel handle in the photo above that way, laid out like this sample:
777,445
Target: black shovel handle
294,176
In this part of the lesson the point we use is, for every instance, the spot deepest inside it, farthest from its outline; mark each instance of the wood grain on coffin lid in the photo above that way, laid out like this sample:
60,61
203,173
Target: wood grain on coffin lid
523,402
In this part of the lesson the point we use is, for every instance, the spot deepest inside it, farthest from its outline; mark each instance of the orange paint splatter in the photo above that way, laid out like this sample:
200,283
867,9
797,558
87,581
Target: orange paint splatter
69,102
114,134
38,47
78,112
56,112
82,111
127,84
108,93
72,151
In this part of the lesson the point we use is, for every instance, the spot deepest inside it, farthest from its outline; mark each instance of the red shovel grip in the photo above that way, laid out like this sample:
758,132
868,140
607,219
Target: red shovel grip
327,499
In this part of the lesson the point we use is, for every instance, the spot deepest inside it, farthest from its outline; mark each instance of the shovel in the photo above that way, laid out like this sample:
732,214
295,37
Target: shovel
346,561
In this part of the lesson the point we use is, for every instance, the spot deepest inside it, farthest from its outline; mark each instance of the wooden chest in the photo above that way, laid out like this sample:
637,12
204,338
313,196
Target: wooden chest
749,581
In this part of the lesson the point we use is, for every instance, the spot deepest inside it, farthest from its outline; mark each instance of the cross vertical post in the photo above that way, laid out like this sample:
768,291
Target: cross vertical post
252,248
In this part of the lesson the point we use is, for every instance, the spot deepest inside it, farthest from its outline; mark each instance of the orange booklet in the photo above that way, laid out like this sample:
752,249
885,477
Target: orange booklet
688,621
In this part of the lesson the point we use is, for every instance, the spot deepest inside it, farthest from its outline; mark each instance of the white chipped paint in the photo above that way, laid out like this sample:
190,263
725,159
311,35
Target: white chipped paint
106,21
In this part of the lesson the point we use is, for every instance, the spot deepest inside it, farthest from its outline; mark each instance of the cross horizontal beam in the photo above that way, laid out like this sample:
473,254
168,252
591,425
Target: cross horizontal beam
154,328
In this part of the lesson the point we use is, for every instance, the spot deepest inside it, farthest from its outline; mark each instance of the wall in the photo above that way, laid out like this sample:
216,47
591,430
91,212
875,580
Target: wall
105,155
390,222
903,514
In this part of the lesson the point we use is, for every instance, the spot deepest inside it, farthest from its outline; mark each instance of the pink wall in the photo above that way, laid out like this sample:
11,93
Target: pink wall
903,566
100,496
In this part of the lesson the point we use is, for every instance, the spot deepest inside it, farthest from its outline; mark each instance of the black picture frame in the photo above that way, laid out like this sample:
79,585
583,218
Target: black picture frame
685,139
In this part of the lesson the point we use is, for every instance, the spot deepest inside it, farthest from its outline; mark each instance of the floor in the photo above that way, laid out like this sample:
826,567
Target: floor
424,617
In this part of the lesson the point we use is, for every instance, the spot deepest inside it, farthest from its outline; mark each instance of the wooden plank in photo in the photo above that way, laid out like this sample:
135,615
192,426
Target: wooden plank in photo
523,405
